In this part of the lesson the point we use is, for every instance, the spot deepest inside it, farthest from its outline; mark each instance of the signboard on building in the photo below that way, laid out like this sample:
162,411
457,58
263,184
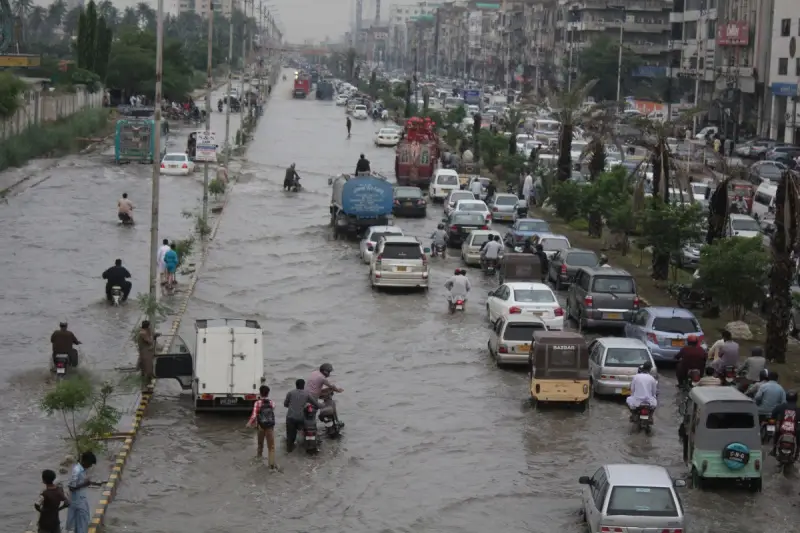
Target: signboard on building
475,28
784,89
733,34
206,147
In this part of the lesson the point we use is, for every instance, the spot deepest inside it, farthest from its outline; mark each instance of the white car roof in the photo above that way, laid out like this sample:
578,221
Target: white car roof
400,239
388,130
484,232
621,342
739,216
446,172
385,229
466,202
527,286
523,319
181,154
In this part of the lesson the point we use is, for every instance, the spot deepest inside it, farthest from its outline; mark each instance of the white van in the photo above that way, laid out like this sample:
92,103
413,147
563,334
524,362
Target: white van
764,199
444,181
227,367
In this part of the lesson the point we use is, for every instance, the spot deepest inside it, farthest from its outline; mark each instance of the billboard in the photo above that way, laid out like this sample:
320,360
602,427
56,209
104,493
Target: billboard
475,28
733,34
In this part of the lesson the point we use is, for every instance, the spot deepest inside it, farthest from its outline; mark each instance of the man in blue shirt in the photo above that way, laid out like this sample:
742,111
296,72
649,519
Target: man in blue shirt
769,396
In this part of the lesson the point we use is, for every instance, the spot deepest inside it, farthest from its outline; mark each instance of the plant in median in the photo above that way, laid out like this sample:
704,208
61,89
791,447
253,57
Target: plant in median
153,309
734,272
601,197
217,188
566,198
667,228
570,105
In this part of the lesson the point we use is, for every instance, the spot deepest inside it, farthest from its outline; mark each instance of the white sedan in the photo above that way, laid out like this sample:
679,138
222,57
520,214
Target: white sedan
341,100
527,299
474,206
177,164
370,240
387,137
360,112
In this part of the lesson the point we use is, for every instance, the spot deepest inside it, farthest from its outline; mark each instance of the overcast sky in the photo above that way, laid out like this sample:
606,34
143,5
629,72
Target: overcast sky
302,19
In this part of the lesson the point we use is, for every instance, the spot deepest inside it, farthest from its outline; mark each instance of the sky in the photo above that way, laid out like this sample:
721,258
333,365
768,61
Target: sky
302,19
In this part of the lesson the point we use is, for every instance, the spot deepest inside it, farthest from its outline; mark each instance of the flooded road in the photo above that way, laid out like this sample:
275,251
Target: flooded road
59,232
437,438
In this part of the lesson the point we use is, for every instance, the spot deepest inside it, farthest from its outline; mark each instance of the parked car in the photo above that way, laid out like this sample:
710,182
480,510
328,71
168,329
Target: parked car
689,256
664,330
523,229
613,361
755,148
602,297
765,171
409,202
510,338
371,238
399,261
176,164
565,264
524,298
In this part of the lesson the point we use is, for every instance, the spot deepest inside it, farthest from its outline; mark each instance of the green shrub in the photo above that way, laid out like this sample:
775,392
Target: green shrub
579,224
565,198
59,136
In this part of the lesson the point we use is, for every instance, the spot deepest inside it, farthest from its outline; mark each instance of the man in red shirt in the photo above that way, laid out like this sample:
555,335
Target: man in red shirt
691,357
263,417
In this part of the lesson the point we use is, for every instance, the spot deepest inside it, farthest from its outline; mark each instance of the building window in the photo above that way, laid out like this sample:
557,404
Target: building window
783,66
786,27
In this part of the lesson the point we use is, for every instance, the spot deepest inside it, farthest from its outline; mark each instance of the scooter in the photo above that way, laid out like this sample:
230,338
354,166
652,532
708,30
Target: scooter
642,418
61,364
490,266
296,187
729,375
457,304
767,430
125,220
786,452
310,430
116,296
439,249
327,415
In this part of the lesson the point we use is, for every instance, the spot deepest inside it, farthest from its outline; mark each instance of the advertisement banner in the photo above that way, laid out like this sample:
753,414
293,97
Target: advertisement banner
733,34
475,28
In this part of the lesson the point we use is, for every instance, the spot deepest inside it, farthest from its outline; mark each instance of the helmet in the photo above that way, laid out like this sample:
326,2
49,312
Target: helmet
646,367
457,272
63,324
326,368
791,396
691,339
763,375
441,226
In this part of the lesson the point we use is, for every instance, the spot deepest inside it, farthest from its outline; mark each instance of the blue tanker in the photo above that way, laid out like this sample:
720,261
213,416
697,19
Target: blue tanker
358,202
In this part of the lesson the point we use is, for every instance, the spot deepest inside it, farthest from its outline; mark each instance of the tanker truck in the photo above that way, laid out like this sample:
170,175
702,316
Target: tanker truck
358,202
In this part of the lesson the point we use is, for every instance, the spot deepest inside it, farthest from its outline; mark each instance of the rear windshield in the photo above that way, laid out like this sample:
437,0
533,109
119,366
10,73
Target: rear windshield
375,237
564,356
538,225
402,250
447,179
613,284
478,240
642,501
506,200
471,207
554,244
408,192
730,421
455,197
582,259
534,297
178,157
675,324
521,332
467,219
626,357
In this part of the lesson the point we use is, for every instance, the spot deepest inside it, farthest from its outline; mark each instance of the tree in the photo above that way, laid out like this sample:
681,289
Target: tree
55,14
131,20
570,106
102,48
734,272
514,118
667,228
90,41
350,61
70,21
11,88
600,61
146,16
784,240
603,196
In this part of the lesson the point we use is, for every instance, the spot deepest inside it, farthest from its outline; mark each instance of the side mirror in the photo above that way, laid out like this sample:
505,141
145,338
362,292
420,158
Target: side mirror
585,480
679,483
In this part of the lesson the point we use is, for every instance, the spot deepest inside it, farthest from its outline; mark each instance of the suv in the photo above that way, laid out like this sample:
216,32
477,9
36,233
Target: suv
399,261
602,297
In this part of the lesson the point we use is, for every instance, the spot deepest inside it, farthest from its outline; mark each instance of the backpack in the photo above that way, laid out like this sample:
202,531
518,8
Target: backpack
266,415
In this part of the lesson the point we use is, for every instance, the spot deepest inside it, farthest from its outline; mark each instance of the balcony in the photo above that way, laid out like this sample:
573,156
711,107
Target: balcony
647,49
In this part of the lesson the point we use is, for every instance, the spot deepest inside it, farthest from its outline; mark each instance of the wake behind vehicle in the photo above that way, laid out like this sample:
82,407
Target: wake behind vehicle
358,202
559,368
226,368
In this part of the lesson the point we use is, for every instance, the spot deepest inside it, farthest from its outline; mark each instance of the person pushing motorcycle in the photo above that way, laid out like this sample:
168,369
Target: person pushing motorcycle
291,176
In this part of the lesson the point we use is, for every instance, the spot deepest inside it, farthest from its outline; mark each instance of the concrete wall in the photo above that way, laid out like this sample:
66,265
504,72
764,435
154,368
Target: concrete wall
40,107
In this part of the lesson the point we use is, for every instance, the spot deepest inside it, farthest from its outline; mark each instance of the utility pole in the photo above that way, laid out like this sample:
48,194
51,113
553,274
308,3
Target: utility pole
244,66
230,83
156,161
536,79
208,102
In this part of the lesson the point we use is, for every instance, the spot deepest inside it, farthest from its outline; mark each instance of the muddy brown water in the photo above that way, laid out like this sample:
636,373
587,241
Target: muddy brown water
437,438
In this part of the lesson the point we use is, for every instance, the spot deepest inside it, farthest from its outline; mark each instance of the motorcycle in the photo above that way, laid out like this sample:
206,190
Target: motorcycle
786,452
116,296
457,304
310,430
729,375
125,219
296,187
490,266
327,415
61,365
689,297
692,379
767,430
439,249
642,418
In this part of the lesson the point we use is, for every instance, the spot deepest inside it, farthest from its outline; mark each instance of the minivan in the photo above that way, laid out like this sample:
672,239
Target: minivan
602,297
399,261
444,181
764,199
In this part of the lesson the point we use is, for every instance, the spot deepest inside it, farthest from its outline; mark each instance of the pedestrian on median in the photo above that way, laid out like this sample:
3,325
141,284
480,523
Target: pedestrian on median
349,125
263,417
527,189
50,502
79,515
162,268
295,403
146,343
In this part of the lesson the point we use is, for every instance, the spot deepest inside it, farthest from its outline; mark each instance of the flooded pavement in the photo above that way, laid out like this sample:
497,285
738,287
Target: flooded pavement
437,438
59,232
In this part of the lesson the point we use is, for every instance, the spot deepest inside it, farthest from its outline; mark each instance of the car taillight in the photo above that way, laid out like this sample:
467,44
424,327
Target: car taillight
636,302
563,269
459,302
59,365
588,301
515,310
488,216
484,227
250,397
494,210
606,529
502,348
162,165
420,202
652,338
558,311
701,339
184,166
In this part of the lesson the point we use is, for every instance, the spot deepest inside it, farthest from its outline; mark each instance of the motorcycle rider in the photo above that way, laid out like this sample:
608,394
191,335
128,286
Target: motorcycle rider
362,165
644,388
439,238
117,276
710,379
491,189
690,357
476,188
289,179
458,285
769,396
125,209
492,250
219,105
751,368
63,341
317,381
786,421
543,260
295,403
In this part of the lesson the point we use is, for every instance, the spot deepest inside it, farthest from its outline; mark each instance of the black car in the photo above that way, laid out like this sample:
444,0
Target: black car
459,226
408,202
565,264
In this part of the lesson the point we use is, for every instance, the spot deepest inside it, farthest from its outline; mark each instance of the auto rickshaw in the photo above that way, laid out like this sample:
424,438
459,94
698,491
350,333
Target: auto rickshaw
559,367
721,437
520,267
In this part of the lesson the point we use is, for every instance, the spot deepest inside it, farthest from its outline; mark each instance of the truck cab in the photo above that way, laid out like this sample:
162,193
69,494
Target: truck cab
224,370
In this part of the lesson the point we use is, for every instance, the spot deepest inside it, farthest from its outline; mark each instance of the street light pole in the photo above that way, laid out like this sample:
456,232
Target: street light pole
208,102
244,66
156,161
619,59
228,96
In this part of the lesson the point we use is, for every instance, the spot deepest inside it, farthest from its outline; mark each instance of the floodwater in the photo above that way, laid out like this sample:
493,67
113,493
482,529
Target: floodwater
437,438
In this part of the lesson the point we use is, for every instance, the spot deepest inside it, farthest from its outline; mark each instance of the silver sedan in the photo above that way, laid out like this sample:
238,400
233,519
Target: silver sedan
370,240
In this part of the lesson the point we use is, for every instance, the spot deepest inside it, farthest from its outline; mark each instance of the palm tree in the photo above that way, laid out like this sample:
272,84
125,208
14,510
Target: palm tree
21,9
350,63
110,13
570,109
55,14
131,19
147,16
35,23
513,118
784,241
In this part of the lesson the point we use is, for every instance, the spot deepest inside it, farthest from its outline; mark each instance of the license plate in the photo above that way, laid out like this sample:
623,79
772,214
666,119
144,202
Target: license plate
459,307
614,316
228,401
401,269
644,417
467,230
64,370
536,313
677,342
524,348
311,437
407,204
173,166
771,428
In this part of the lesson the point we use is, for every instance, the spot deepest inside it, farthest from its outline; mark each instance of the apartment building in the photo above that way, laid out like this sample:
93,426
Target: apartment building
784,72
398,53
201,6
